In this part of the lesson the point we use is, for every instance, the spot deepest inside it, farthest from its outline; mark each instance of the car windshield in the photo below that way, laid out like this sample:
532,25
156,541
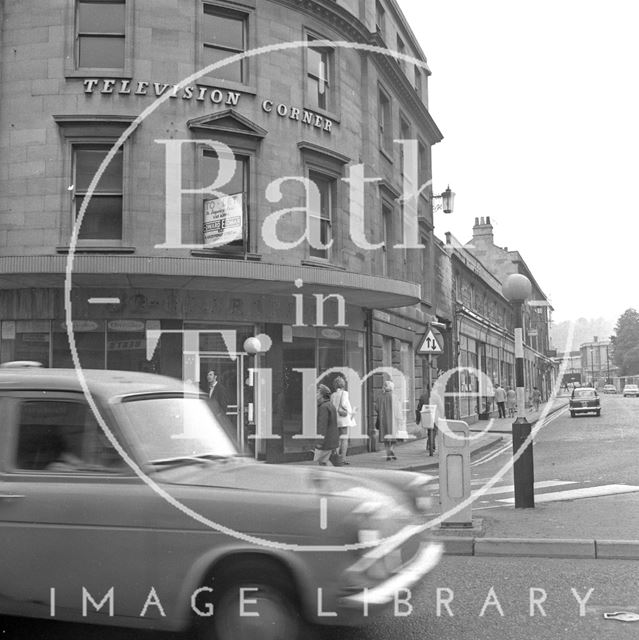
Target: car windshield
584,393
173,428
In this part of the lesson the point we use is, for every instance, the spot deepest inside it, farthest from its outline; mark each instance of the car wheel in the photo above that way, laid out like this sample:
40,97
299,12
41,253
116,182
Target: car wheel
269,593
572,414
598,413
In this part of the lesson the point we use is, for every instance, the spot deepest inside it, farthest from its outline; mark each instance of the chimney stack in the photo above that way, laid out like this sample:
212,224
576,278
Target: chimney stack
483,232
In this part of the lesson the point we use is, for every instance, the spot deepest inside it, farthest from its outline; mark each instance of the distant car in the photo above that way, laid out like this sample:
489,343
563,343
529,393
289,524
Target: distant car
584,400
631,390
609,388
79,525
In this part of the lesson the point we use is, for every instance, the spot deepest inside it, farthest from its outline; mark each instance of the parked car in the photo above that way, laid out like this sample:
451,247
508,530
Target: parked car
157,522
631,390
609,388
584,400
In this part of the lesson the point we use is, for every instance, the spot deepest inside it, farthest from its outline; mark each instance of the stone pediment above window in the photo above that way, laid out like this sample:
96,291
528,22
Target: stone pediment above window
228,121
92,125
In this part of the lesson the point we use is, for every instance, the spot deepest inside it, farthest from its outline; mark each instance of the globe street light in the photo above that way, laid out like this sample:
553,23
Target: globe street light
516,289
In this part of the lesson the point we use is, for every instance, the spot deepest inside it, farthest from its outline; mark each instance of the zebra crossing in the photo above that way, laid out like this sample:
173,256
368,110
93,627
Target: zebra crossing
545,491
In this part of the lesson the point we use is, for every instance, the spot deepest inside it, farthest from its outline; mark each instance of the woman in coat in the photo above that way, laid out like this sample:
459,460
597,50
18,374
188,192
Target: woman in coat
327,427
345,412
388,418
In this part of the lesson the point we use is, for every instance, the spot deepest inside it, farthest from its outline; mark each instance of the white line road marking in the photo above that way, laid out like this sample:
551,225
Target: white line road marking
584,492
543,484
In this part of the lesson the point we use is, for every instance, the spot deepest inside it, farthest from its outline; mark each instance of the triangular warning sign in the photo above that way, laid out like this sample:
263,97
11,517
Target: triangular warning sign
430,344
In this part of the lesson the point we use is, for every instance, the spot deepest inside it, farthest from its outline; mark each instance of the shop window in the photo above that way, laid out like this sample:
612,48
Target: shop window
224,34
89,343
26,340
321,220
385,123
103,217
100,34
319,72
226,216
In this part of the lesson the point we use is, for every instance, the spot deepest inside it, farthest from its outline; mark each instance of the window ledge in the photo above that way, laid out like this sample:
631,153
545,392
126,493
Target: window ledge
100,73
96,249
322,264
225,85
217,253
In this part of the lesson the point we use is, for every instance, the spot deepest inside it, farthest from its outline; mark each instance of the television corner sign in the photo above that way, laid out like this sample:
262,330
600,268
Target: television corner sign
432,343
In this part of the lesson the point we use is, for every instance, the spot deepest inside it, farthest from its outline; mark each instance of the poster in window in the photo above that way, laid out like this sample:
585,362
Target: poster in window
223,220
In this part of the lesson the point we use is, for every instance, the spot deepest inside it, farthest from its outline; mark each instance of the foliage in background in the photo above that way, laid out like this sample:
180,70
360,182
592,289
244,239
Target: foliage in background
625,343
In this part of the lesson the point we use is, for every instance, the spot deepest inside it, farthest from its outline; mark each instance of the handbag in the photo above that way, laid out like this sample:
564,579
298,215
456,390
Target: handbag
341,411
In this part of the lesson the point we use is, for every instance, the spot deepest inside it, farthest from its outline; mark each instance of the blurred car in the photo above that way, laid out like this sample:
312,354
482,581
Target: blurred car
584,400
609,388
631,390
161,524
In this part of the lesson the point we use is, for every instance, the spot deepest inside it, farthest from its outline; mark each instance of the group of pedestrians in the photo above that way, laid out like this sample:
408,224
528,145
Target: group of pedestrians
336,415
506,400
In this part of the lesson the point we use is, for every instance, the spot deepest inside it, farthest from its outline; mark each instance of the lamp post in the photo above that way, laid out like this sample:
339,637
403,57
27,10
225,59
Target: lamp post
592,364
516,289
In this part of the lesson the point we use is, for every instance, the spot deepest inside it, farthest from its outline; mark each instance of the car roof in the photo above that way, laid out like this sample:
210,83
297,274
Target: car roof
104,383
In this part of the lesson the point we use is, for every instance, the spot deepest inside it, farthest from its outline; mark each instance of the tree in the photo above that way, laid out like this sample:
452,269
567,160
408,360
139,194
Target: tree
625,342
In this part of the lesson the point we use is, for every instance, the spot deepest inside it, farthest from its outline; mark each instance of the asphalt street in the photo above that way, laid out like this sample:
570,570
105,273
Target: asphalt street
574,458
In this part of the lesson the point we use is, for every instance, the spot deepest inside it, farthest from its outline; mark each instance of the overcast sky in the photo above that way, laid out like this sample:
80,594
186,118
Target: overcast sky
539,106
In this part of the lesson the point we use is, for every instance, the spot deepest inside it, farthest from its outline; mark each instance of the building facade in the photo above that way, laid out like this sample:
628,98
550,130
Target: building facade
597,368
172,214
540,369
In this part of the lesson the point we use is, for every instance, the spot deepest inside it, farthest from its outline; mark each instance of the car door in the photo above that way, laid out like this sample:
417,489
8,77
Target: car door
74,523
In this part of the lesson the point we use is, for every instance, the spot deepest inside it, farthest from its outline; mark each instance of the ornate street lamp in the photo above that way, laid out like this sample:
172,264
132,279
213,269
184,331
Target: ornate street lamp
516,289
447,203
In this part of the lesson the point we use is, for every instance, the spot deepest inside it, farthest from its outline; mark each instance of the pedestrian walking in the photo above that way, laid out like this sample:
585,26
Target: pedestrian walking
536,398
511,401
218,402
325,450
500,399
424,400
345,413
388,416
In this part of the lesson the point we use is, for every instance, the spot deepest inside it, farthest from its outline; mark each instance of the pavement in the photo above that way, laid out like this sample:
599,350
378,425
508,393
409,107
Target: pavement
590,528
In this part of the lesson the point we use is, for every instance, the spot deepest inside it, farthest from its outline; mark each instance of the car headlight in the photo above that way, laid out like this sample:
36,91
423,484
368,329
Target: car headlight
368,515
419,490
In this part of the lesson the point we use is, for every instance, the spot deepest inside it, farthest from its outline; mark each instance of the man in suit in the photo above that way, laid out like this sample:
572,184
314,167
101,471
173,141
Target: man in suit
218,399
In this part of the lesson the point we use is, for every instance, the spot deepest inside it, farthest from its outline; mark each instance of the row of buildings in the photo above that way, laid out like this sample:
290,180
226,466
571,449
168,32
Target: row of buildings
590,365
283,195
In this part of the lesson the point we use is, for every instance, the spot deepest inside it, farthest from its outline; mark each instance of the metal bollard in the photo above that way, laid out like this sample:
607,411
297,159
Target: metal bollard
454,471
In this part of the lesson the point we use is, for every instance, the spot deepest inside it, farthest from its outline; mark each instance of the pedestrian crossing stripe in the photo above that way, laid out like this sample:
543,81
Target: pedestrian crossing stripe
543,484
573,494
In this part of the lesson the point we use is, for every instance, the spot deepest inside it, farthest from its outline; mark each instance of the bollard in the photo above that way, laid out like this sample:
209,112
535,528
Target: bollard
454,471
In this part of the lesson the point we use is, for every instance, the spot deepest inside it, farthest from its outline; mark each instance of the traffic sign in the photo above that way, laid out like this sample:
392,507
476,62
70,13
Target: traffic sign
431,344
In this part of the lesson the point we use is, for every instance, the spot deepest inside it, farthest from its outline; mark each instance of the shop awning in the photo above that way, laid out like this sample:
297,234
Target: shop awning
237,276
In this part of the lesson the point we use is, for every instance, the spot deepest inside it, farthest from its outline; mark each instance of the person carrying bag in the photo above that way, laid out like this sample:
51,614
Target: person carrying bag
345,420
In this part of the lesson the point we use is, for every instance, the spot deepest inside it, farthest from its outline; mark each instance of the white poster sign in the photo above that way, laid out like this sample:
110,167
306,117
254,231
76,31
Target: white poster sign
223,220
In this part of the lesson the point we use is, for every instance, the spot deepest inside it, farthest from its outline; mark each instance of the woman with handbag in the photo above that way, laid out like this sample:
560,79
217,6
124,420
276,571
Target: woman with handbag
345,420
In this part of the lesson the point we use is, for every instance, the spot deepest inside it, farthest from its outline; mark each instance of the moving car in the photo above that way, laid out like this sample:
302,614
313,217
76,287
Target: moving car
609,388
584,400
631,390
156,522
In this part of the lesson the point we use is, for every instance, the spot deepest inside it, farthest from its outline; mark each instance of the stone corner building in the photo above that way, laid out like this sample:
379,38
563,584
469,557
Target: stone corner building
75,75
